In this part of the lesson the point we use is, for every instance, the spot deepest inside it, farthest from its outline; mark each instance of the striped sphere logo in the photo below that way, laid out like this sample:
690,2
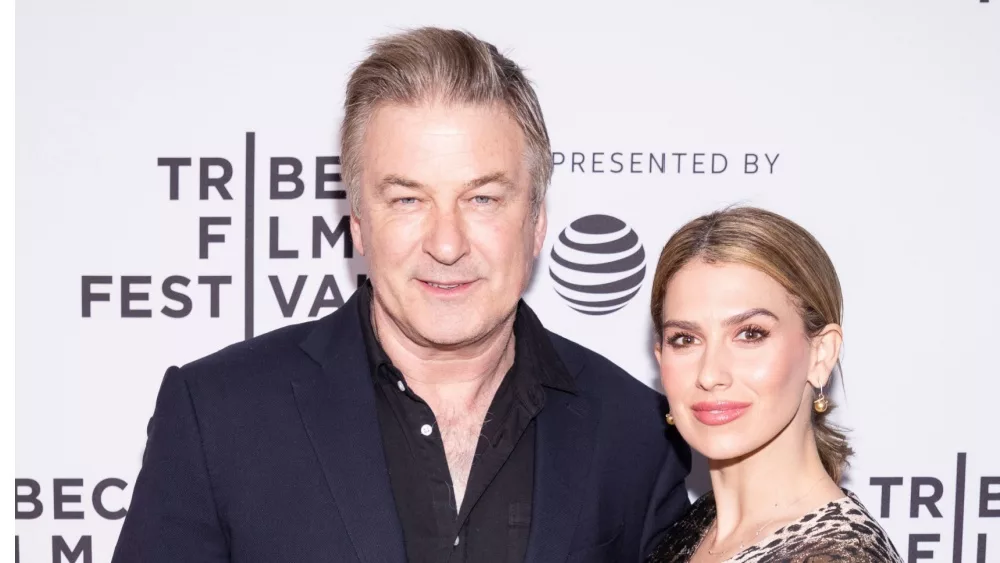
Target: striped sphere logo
598,264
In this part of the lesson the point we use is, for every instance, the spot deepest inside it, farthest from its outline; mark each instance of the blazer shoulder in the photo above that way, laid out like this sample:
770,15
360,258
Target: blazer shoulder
593,369
261,354
630,410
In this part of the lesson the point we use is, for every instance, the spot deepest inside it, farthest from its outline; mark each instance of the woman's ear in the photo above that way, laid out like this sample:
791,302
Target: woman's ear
825,354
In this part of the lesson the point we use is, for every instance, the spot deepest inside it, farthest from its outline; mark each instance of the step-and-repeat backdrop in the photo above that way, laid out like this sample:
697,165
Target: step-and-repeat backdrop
178,190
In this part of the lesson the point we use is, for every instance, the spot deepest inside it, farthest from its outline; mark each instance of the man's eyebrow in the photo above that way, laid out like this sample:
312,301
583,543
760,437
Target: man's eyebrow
397,180
498,177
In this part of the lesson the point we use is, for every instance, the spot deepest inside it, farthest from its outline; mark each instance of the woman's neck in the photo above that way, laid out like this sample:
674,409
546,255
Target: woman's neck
780,481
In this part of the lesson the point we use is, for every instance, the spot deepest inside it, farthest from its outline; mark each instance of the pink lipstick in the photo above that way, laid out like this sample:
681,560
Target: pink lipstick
717,413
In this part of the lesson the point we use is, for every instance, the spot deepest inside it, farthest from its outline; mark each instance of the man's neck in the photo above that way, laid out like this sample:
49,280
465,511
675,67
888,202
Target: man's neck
455,379
458,384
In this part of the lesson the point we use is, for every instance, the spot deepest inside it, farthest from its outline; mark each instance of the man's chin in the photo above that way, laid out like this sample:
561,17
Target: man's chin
449,336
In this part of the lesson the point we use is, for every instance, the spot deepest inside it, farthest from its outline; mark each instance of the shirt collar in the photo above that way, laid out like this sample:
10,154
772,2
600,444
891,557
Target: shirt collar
535,355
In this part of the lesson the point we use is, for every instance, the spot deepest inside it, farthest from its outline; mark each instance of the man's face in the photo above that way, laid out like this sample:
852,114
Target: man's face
445,219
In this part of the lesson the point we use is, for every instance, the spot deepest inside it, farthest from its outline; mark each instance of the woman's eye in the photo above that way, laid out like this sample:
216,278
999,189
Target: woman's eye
752,334
681,340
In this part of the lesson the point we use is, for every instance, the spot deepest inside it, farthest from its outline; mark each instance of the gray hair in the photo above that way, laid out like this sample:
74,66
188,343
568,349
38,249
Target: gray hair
453,66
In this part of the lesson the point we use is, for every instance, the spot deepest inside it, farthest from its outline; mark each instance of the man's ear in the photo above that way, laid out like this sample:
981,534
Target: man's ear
356,238
541,225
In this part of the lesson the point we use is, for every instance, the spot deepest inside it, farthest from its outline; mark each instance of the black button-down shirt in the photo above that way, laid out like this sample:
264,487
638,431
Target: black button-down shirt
492,523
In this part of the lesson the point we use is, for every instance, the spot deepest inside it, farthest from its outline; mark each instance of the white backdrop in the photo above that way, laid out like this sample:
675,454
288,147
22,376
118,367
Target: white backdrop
879,122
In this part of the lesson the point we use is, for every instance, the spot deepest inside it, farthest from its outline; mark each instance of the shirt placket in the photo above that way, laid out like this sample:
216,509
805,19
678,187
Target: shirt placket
433,462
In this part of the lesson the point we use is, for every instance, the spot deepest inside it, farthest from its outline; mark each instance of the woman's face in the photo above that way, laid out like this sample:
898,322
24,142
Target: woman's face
736,364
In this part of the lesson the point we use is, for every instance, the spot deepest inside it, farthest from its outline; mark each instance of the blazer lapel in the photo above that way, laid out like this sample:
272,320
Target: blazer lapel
337,405
567,428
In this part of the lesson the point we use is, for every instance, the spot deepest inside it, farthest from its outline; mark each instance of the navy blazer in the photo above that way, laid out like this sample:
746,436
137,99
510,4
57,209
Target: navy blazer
270,451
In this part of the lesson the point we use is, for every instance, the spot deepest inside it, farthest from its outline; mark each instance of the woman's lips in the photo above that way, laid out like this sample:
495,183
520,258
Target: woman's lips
716,413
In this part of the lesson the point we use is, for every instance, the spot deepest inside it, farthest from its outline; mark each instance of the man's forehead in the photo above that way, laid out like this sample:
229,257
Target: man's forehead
432,123
463,145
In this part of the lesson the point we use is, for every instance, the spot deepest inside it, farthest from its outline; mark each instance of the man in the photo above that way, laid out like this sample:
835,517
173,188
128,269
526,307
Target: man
432,417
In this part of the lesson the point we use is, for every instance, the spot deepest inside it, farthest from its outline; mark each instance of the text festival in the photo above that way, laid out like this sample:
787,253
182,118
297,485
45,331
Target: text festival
209,178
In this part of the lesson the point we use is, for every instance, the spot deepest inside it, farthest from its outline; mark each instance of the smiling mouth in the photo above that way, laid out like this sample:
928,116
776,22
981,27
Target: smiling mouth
444,288
719,412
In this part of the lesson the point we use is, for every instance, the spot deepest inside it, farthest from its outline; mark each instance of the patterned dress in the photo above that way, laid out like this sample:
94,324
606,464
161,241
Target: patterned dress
841,531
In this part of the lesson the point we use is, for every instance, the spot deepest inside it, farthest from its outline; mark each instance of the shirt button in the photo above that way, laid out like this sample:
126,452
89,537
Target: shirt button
456,541
401,386
426,430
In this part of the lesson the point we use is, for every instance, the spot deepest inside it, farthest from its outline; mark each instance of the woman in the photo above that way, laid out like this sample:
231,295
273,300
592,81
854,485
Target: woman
747,310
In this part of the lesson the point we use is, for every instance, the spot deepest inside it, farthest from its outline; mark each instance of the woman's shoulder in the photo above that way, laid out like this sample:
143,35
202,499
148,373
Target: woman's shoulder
843,530
680,540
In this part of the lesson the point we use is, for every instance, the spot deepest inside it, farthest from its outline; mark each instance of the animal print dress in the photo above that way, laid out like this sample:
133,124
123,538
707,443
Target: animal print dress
841,531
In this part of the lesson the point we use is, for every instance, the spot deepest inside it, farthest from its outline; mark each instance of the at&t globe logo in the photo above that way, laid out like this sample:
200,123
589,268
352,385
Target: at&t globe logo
598,264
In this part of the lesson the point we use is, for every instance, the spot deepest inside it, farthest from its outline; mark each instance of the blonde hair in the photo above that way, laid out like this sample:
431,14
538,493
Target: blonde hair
433,64
787,253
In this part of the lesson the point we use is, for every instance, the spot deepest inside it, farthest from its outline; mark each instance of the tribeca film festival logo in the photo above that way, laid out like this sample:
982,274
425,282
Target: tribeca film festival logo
926,496
209,178
598,264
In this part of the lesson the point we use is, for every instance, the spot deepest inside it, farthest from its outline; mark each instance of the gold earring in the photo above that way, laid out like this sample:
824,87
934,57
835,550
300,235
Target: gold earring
821,404
670,419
